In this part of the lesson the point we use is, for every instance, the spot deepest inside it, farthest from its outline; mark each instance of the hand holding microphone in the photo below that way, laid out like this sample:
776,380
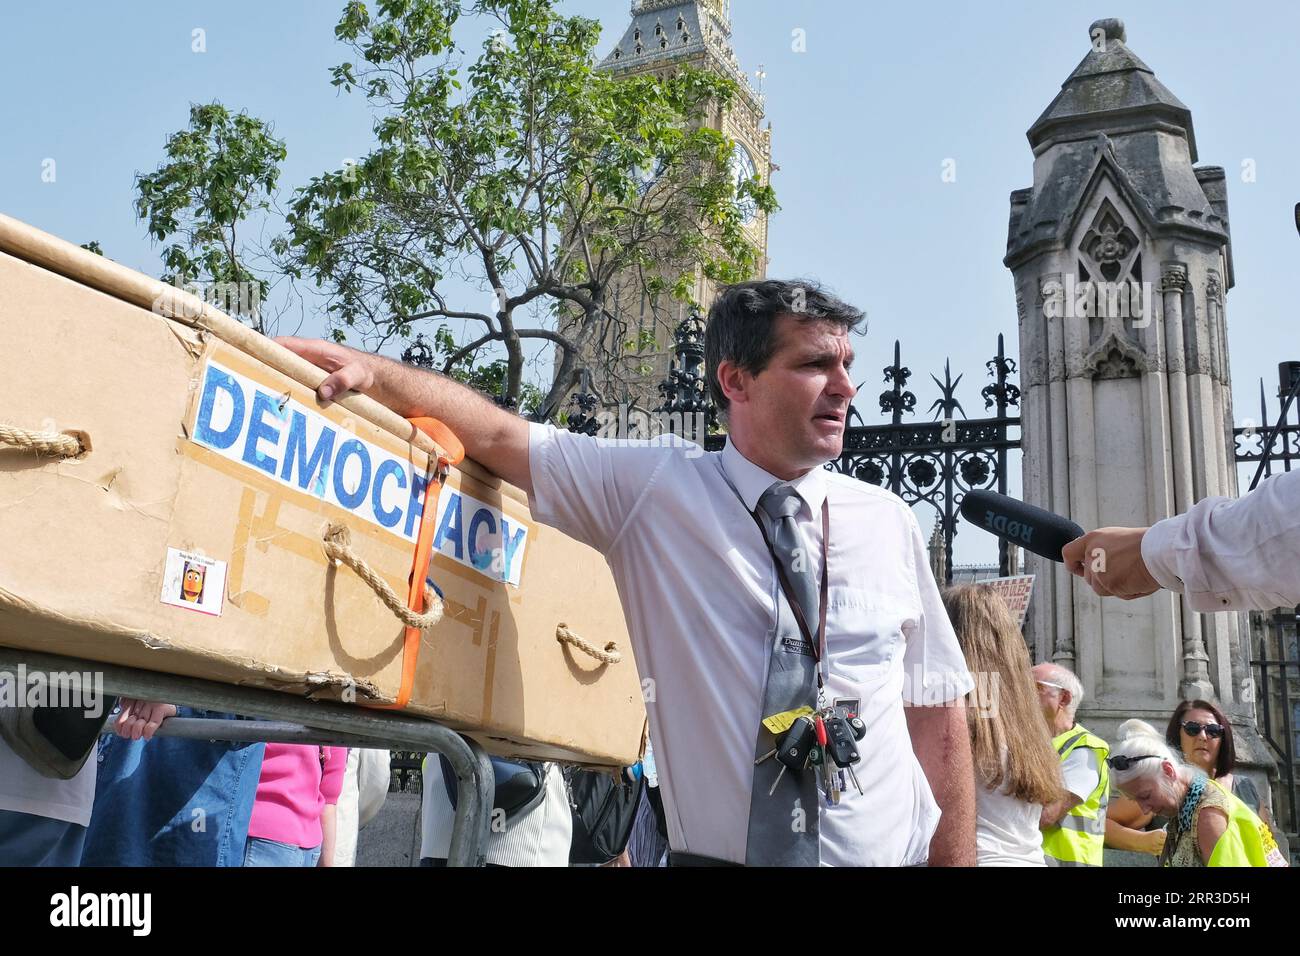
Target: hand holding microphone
1109,559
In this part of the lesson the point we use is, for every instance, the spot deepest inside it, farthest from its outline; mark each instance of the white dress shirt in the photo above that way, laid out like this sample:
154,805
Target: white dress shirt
699,592
1232,554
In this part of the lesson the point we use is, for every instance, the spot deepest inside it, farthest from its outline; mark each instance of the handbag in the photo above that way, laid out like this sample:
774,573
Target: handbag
519,785
604,809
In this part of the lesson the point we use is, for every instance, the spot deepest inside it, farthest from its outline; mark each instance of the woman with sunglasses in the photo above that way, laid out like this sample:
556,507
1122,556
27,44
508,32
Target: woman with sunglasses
1201,732
1208,826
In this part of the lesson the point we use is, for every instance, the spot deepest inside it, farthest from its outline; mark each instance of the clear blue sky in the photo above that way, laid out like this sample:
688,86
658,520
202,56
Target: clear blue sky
862,123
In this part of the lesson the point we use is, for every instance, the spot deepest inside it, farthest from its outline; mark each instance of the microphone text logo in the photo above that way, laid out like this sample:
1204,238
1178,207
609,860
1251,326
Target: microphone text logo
1002,525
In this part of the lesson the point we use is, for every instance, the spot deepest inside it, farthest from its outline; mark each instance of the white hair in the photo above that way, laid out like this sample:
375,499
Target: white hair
1137,738
1069,681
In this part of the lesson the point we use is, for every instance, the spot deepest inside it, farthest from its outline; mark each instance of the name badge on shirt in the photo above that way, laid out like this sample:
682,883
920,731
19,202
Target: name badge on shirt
797,645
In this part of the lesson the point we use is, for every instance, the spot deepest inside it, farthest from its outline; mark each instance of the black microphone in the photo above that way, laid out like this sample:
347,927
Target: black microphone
1032,528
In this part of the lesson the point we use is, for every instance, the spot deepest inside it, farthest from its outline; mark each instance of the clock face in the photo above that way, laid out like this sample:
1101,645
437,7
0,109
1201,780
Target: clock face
646,174
742,170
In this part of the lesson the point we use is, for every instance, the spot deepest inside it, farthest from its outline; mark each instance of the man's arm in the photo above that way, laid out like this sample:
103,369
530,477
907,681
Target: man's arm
1080,774
941,740
493,437
1224,554
1055,812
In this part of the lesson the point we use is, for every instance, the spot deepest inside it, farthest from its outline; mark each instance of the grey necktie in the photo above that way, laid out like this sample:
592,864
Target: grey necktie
783,827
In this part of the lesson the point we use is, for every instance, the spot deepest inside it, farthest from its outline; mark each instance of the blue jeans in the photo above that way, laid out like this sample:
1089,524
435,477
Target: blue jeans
171,801
29,840
260,852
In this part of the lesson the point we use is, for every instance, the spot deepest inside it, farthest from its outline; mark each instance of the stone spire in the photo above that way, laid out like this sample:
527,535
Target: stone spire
938,551
1121,259
1139,130
1110,85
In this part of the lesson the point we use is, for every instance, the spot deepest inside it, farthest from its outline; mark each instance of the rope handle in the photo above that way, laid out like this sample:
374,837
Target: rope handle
68,444
338,547
610,655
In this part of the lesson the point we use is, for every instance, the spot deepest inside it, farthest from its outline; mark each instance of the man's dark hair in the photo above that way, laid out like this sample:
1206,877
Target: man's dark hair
742,320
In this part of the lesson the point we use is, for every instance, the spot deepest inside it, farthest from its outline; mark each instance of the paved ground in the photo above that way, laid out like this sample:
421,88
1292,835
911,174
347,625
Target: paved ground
393,837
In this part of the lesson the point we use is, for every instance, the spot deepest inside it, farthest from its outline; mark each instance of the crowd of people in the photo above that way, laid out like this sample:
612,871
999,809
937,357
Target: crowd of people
816,700
158,800
1051,792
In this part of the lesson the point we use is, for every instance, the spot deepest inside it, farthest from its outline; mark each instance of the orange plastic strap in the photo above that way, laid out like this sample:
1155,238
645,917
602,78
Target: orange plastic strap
454,453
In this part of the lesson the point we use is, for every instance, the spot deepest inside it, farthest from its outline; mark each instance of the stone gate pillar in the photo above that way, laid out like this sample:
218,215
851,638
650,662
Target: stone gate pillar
1121,258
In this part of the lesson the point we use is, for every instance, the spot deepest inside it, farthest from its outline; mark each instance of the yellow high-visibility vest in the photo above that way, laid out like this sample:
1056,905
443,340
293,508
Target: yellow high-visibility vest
1247,841
1078,839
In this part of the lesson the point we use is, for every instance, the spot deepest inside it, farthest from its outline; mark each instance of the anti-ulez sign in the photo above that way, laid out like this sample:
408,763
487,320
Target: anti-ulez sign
1016,591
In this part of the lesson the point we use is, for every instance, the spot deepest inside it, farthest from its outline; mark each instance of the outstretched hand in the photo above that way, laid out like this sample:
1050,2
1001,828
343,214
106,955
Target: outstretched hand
350,370
139,719
1110,560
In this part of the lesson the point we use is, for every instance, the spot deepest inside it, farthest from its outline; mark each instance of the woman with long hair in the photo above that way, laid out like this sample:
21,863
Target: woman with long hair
1208,826
1016,770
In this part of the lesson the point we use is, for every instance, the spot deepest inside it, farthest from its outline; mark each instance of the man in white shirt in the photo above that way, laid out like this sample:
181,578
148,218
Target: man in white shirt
1224,554
700,588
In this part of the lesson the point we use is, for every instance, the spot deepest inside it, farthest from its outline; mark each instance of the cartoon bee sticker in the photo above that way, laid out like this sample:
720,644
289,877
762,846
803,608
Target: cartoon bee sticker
192,583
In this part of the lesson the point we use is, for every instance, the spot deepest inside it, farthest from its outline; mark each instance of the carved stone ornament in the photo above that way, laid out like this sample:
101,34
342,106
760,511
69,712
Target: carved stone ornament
1115,357
1213,288
1173,277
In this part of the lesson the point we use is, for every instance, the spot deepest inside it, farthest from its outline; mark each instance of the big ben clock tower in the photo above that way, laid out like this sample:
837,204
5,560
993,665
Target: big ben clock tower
665,35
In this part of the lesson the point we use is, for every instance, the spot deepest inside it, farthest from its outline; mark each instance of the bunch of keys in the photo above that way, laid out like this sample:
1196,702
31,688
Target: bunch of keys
837,736
794,750
818,740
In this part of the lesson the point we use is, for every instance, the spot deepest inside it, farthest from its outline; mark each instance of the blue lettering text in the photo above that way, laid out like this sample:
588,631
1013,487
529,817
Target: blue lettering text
218,381
351,448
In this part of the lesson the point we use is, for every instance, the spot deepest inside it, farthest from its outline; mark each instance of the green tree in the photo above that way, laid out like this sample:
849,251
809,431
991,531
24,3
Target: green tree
487,377
220,171
525,172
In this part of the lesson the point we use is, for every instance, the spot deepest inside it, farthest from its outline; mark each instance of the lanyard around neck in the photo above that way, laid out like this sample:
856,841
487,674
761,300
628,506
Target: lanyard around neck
817,646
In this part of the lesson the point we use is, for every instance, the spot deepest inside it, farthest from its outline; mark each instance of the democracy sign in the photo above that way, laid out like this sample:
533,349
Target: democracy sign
244,422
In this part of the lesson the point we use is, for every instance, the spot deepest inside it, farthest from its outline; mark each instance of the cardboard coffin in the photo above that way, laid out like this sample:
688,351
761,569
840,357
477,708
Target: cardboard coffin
189,539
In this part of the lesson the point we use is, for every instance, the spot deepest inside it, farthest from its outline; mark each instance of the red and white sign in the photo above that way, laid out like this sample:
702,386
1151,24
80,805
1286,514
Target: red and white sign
1016,591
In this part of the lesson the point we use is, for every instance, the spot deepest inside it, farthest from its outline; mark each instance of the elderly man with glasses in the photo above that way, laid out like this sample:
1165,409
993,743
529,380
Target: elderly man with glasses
1074,827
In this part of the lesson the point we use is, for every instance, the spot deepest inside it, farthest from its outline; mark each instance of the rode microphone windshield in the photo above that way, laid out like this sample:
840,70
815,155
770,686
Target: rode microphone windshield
1032,528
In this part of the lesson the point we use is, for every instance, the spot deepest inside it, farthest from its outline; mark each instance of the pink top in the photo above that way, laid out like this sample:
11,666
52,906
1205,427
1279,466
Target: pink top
293,792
